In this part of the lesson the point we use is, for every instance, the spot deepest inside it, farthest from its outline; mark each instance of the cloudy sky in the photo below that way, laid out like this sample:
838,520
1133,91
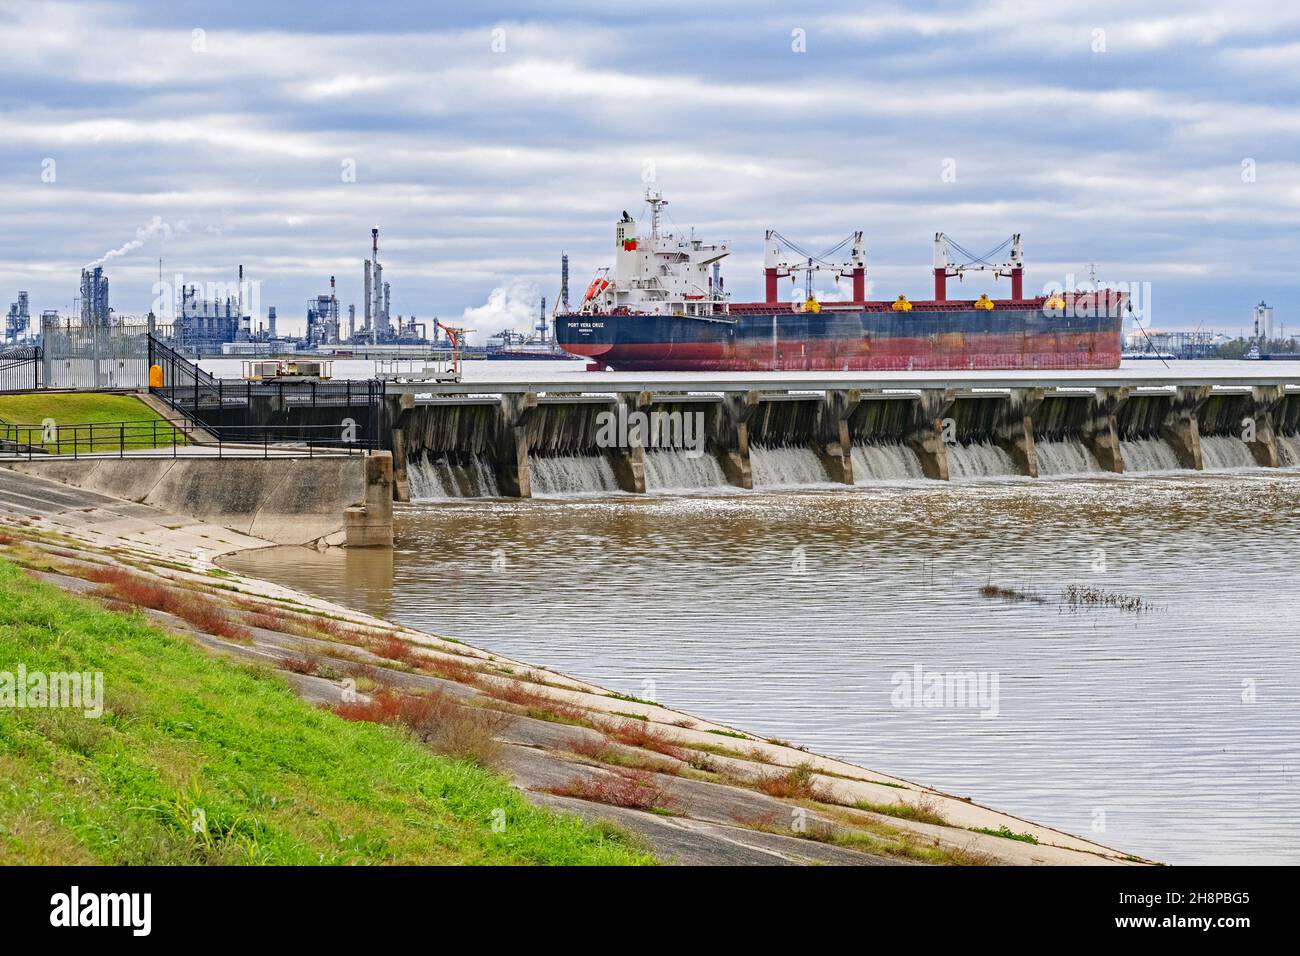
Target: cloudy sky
1157,140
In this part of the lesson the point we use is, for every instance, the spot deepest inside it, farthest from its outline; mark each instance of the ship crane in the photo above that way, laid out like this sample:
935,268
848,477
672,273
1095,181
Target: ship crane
945,267
777,264
455,336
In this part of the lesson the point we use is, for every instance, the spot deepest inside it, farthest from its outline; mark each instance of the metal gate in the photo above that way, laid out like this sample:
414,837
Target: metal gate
94,356
20,369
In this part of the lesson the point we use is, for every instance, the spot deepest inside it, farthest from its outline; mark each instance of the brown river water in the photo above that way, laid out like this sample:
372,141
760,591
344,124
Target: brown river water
1172,731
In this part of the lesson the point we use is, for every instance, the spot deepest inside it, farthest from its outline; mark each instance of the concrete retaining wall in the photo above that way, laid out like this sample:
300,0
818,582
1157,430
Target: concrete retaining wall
344,500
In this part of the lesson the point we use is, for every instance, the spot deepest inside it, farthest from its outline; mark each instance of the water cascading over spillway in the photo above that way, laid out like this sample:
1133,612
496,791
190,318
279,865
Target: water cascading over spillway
572,474
1225,451
1288,450
785,467
1065,458
1148,454
675,469
885,462
444,476
979,460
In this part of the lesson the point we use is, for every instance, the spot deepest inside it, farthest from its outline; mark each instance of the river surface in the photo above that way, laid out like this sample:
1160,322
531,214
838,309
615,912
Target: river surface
1172,732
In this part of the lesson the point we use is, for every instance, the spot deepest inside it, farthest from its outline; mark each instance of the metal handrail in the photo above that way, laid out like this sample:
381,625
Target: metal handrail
137,439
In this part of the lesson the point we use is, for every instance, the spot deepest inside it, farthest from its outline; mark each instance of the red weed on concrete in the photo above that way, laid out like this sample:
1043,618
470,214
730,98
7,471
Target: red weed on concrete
388,707
635,789
642,733
448,727
306,664
396,649
518,693
450,670
139,591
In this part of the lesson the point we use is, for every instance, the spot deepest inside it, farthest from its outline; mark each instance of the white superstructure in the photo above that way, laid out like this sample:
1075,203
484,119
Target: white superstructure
662,274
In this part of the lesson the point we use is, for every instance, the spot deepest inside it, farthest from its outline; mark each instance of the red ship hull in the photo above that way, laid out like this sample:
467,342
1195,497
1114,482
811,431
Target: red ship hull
863,337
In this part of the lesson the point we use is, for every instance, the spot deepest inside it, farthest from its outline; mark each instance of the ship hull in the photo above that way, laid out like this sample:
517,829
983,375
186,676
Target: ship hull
1018,337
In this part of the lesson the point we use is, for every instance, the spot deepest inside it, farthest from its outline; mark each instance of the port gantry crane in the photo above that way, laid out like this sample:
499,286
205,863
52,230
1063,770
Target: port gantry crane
777,265
944,266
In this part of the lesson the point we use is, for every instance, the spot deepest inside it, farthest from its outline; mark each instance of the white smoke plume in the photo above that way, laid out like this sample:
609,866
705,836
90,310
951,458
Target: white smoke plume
154,227
511,306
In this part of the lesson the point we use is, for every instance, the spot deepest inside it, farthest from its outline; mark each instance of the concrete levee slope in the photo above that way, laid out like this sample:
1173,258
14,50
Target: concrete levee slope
337,499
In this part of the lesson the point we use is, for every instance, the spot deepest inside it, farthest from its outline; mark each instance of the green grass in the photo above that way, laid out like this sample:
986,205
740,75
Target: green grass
633,700
1007,833
924,810
277,781
148,428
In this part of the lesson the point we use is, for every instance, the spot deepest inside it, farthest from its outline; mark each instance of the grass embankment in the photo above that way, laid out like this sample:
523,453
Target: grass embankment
147,429
198,760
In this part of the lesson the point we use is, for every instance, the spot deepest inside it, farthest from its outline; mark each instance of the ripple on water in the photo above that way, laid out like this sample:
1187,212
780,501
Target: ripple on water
791,615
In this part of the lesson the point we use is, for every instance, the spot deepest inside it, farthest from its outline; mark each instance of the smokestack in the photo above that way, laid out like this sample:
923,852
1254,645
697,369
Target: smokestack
368,294
374,242
334,314
564,281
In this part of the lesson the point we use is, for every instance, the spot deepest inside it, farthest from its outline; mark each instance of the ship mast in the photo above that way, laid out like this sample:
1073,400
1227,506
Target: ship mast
656,200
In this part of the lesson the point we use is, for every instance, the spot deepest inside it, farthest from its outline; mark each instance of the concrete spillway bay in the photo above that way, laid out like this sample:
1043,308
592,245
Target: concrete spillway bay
1171,732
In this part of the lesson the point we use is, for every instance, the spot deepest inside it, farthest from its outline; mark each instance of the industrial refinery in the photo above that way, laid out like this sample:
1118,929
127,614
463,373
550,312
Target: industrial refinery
226,318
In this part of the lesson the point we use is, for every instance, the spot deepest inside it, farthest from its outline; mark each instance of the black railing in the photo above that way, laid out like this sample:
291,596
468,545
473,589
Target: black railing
20,369
174,438
211,402
196,397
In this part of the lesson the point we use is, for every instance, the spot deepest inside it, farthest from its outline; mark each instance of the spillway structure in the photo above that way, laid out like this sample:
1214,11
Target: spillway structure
520,440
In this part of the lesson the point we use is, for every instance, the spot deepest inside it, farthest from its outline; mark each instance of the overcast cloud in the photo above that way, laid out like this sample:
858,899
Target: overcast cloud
1157,140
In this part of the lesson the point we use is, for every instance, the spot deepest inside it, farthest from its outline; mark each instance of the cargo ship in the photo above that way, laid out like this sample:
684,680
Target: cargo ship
663,307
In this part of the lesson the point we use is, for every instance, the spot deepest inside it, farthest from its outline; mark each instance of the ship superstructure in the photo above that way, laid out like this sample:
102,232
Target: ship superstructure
659,274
